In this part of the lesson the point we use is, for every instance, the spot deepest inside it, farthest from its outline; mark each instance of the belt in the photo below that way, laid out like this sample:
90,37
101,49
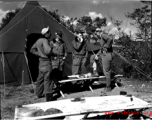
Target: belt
79,55
43,58
57,57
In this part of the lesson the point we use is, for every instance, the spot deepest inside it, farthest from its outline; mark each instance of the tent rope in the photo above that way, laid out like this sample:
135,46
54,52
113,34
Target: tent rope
127,61
138,69
41,19
3,63
14,17
29,70
18,21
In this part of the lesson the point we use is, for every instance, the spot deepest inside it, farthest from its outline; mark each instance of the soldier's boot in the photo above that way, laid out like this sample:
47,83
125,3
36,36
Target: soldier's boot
49,97
107,89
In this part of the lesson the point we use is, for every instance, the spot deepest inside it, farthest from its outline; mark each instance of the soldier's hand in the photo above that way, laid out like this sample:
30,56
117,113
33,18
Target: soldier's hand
104,53
81,39
63,58
105,49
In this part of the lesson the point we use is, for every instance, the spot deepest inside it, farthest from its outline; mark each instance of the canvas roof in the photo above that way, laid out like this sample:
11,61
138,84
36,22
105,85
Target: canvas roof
31,19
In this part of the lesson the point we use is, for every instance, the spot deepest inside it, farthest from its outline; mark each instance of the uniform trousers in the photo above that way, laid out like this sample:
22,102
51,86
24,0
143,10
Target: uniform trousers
106,63
78,65
44,85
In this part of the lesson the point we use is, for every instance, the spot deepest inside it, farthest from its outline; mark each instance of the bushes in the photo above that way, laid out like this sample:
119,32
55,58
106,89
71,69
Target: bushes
138,56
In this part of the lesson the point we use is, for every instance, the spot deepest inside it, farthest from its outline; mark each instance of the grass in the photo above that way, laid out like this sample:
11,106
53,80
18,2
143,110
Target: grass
12,96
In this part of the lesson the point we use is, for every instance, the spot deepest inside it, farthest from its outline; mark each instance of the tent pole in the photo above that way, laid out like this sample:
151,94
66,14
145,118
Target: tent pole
3,63
33,85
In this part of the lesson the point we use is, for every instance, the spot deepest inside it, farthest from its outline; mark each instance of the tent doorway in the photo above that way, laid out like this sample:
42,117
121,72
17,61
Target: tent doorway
33,61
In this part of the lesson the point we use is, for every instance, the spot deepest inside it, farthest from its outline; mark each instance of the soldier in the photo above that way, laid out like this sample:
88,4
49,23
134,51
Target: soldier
59,54
42,49
106,56
80,54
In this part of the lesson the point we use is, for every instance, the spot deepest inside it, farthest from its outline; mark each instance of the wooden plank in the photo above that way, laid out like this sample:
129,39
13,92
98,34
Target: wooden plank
90,88
62,94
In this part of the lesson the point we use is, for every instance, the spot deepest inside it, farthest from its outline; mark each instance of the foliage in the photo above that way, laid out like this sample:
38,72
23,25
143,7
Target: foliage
9,16
137,53
142,20
100,22
85,20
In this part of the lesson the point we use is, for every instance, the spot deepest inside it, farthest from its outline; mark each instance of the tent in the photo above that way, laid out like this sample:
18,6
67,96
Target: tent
17,63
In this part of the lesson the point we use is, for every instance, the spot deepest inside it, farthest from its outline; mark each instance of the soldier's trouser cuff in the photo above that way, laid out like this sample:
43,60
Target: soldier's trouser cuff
49,97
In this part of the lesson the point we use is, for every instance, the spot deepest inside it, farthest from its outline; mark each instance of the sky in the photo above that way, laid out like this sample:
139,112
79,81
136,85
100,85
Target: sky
79,8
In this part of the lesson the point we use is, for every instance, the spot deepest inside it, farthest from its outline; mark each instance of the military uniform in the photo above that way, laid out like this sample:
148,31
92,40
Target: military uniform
44,84
79,57
106,45
59,51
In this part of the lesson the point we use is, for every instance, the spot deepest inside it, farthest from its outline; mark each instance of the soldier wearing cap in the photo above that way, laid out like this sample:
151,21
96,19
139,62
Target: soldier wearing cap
59,54
42,49
80,54
106,55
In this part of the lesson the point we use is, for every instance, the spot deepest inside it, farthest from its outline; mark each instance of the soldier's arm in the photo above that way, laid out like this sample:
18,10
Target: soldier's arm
108,40
86,51
51,44
46,47
34,50
99,52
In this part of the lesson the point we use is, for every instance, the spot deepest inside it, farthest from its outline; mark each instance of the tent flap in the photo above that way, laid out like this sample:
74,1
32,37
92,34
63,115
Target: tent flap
15,69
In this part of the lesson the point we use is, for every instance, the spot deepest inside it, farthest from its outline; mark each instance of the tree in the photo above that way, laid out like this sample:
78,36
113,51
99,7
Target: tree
85,20
142,20
9,16
54,14
90,25
100,22
135,52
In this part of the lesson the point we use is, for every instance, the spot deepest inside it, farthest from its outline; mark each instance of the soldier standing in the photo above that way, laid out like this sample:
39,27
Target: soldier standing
106,56
42,49
80,54
59,54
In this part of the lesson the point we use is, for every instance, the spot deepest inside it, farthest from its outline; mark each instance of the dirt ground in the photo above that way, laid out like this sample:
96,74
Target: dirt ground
12,96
